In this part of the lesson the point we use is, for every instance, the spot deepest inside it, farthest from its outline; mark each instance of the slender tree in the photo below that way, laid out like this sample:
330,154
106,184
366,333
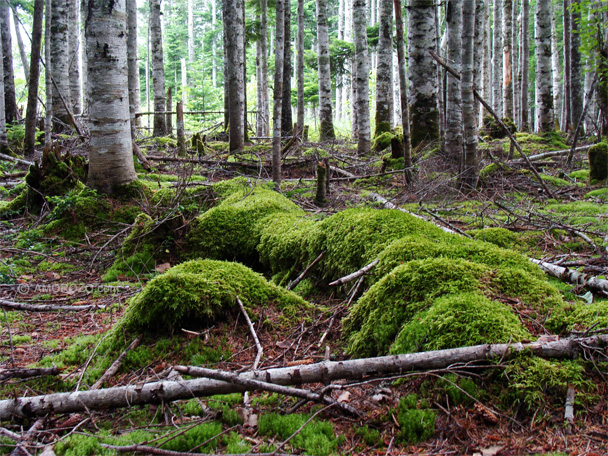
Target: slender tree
278,92
507,62
525,50
487,57
60,62
10,100
453,132
74,62
498,58
300,67
263,108
558,89
233,71
110,156
422,38
470,173
286,115
158,69
29,140
544,92
384,70
133,65
22,53
576,70
566,105
3,138
361,77
325,110
478,57
405,116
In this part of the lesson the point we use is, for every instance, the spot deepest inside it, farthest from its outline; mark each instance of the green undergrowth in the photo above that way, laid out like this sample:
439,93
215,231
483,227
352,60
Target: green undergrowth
203,291
416,419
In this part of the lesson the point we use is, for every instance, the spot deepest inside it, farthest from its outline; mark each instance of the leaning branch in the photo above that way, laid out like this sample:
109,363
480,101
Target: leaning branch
324,372
43,307
355,275
16,372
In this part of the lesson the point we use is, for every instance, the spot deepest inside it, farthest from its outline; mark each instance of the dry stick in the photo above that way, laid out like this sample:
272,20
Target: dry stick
16,160
273,388
553,153
106,244
159,451
17,372
116,364
293,284
10,337
445,222
569,408
44,307
300,429
580,120
27,437
355,275
258,345
450,70
325,372
140,156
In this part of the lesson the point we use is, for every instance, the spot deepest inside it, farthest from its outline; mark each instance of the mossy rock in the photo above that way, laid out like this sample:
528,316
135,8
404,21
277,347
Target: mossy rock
600,193
598,162
203,291
382,141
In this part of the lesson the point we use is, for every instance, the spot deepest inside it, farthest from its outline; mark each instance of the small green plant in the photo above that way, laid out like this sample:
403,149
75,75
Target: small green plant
417,421
370,436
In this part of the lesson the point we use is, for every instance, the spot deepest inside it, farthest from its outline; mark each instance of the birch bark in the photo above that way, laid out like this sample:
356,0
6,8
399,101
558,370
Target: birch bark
507,62
471,157
453,132
60,62
132,62
525,64
384,70
544,89
361,77
497,61
74,54
158,69
326,125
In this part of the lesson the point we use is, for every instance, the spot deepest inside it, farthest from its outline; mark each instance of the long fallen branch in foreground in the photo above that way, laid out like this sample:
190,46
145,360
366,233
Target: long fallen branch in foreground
18,372
12,305
324,372
552,153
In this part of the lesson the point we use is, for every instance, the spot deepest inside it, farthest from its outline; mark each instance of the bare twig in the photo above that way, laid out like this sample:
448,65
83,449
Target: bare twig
293,284
355,275
116,364
43,307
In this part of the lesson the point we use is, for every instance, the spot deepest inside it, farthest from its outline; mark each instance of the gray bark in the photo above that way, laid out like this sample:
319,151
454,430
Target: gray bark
158,69
133,64
566,113
405,115
479,46
47,75
326,124
22,53
3,139
384,70
278,92
233,72
525,64
421,38
555,68
263,117
497,59
74,68
589,75
300,67
356,369
507,62
453,132
10,101
576,71
29,140
60,62
471,157
286,115
486,84
110,156
361,77
544,89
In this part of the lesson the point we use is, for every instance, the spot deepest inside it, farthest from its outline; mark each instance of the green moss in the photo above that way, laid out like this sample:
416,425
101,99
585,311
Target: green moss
382,140
598,162
493,129
581,175
459,320
79,445
416,420
203,291
497,236
600,193
316,438
370,436
577,316
194,437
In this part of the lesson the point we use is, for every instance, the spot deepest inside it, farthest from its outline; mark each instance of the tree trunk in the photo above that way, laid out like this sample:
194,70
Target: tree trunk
214,43
405,115
3,139
60,62
567,113
421,38
300,67
83,60
453,133
191,31
74,66
158,69
181,138
497,60
47,76
286,115
22,53
361,77
326,127
278,92
168,110
507,62
31,117
132,62
479,46
263,117
10,101
558,90
590,67
324,372
486,85
233,43
110,156
244,57
525,64
471,157
576,76
544,92
384,70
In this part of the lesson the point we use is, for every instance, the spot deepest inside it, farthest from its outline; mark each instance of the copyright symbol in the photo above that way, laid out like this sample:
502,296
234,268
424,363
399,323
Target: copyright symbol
23,288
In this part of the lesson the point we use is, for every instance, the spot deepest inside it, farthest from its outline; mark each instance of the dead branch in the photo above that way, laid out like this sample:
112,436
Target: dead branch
206,162
116,364
450,70
44,307
141,157
293,284
355,275
573,276
159,451
324,372
19,372
253,334
553,153
16,160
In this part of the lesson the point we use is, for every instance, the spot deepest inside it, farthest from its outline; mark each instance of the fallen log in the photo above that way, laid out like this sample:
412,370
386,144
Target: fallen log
207,162
355,275
116,364
16,160
324,372
550,154
17,372
138,448
43,307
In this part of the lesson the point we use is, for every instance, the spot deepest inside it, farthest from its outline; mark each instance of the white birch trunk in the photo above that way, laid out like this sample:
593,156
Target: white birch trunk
233,42
525,67
544,86
507,61
471,157
558,91
300,67
110,157
486,70
278,92
326,127
497,59
384,70
422,38
158,69
74,55
48,116
453,132
133,65
478,55
60,62
361,77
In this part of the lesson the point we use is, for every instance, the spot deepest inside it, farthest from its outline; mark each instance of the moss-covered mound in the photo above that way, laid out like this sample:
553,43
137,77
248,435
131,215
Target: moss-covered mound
598,162
405,297
203,291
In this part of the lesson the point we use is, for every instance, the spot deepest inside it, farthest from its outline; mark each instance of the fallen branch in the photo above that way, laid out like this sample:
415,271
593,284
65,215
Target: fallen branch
293,284
137,448
573,276
44,307
18,372
141,157
355,275
553,153
258,345
16,160
324,372
116,364
206,162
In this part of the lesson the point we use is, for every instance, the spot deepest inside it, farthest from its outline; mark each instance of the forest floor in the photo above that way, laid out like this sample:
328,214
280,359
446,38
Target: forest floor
472,411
